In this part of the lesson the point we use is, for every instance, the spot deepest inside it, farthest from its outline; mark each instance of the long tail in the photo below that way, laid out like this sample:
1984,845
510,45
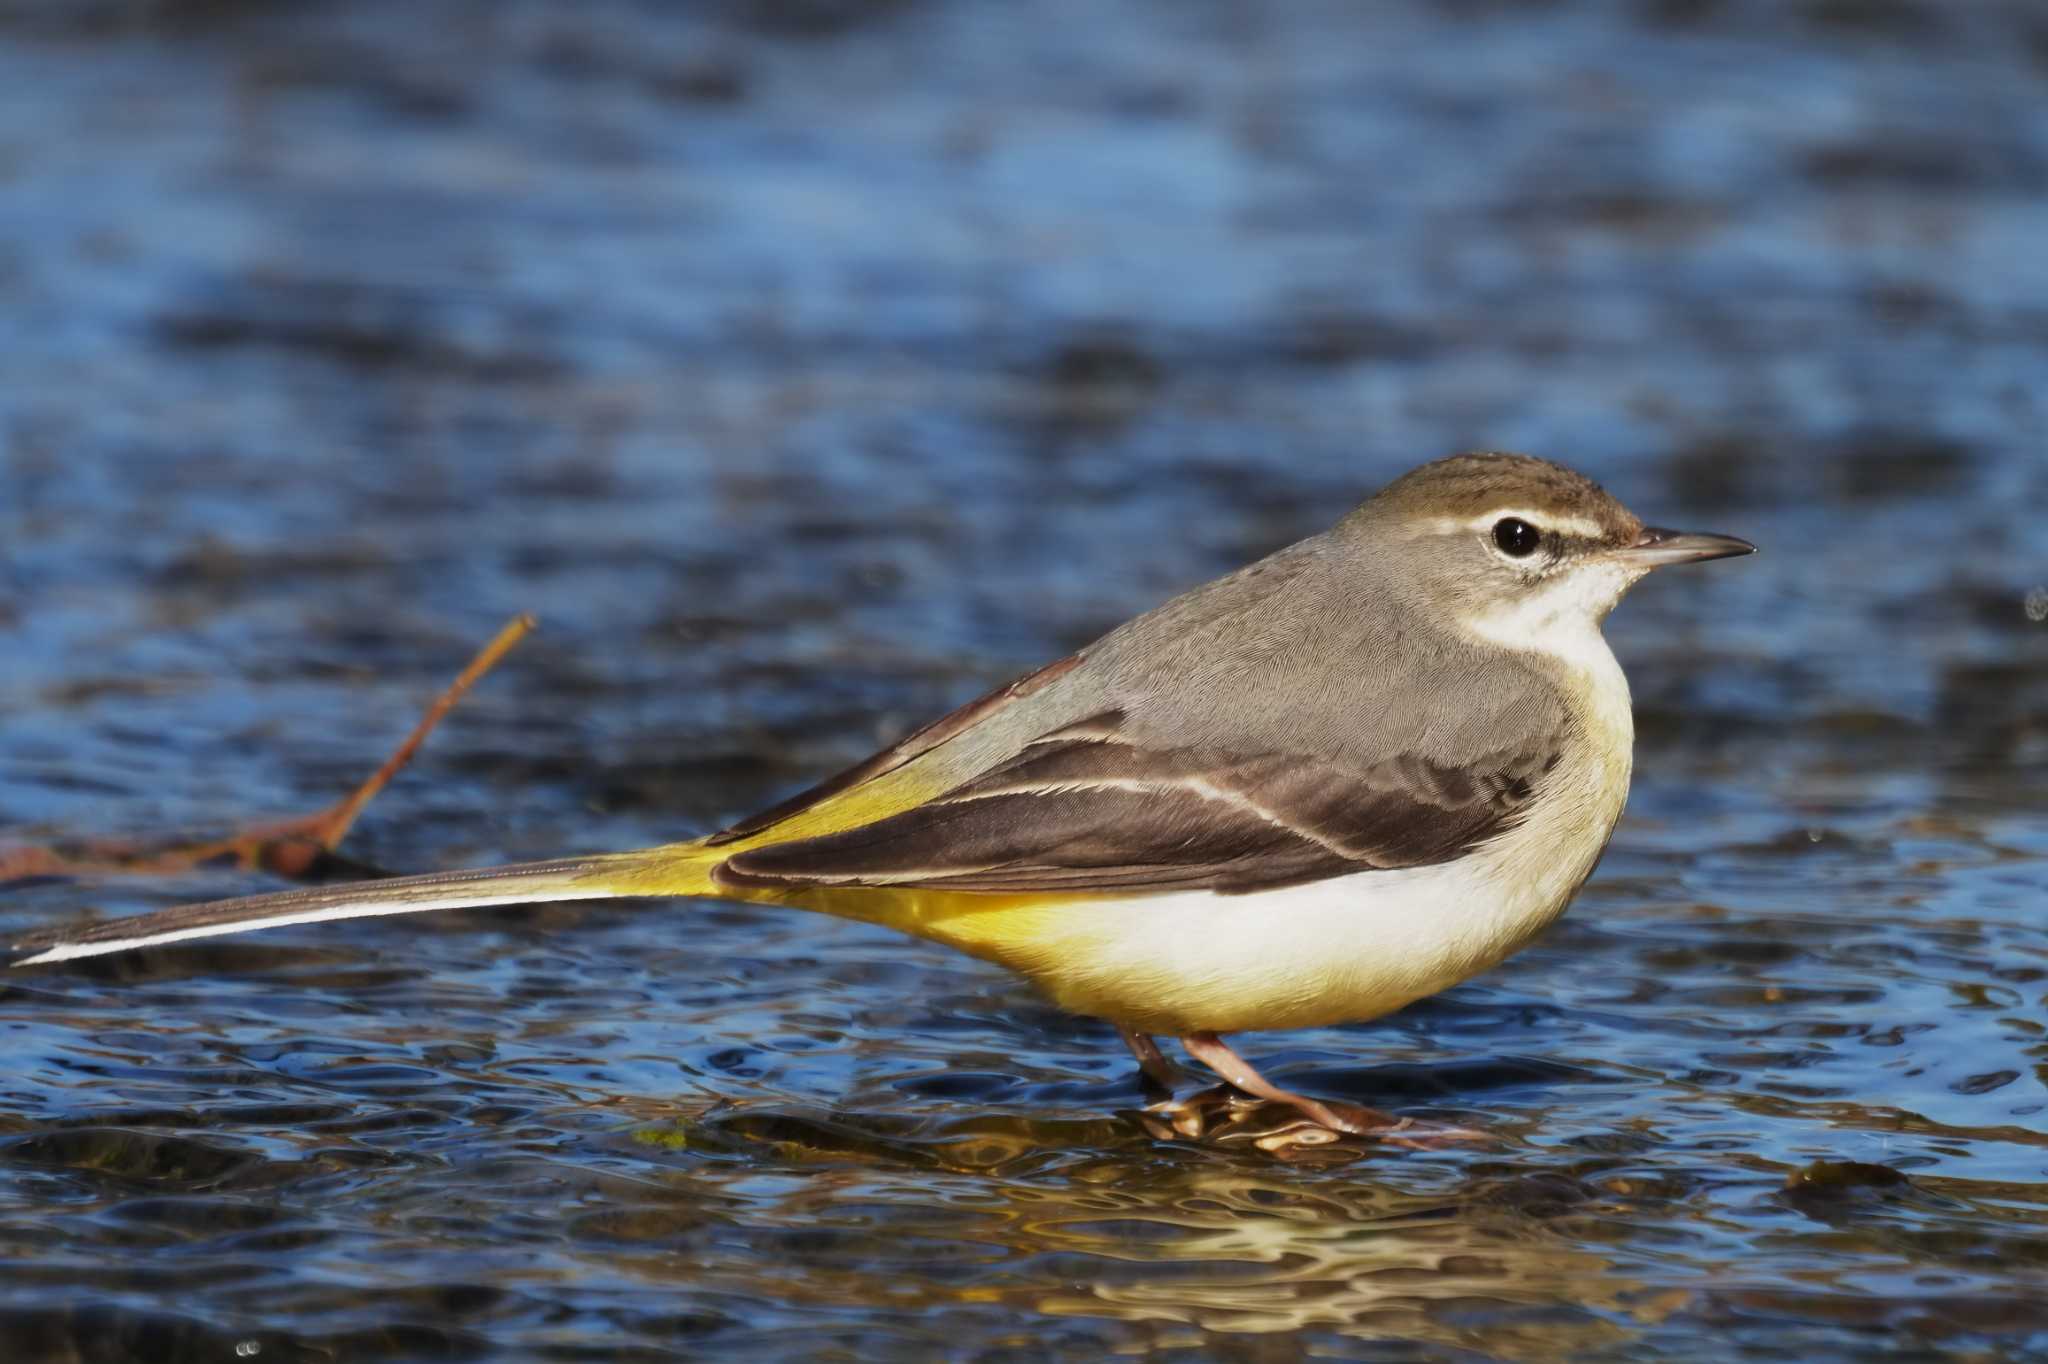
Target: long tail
677,869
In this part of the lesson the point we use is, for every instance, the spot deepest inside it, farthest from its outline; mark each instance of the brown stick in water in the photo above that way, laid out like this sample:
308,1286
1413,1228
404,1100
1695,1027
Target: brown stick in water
301,848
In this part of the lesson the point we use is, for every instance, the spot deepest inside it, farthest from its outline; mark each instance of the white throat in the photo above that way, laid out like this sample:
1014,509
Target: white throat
1561,620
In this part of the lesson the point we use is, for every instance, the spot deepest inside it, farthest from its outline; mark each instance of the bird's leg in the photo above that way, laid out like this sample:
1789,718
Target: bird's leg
1211,1051
1160,1071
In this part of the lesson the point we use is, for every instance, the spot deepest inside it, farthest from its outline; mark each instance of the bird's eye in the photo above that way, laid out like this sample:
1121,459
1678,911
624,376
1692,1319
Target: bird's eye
1516,537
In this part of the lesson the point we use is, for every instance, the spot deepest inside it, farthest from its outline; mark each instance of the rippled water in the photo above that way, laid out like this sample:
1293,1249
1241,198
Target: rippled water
808,367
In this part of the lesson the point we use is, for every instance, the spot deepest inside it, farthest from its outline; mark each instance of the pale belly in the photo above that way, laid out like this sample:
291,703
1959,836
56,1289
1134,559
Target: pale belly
1343,950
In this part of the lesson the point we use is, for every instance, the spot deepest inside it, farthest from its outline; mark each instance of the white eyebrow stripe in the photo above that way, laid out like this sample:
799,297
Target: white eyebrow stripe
1568,525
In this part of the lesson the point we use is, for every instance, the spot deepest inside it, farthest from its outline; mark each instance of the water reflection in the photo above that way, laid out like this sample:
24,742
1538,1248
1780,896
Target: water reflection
1251,1254
1094,1221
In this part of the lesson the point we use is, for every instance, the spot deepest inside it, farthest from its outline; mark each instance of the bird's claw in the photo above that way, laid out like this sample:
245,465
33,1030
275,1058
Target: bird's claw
1226,1116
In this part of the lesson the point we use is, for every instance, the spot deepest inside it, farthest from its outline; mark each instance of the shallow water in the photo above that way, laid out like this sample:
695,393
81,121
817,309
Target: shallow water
810,366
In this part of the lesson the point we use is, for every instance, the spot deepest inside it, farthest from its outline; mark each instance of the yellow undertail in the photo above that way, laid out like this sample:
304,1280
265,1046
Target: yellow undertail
1010,929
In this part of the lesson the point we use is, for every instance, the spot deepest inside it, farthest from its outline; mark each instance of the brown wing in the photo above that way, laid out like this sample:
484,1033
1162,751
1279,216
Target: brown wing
1085,809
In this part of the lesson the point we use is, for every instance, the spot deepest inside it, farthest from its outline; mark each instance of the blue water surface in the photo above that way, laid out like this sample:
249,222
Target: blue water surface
808,367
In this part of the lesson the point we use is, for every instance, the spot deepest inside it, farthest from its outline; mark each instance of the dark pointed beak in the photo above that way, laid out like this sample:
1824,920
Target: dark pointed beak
1657,547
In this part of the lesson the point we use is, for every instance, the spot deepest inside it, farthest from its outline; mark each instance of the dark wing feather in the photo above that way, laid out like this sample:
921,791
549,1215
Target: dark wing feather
1085,809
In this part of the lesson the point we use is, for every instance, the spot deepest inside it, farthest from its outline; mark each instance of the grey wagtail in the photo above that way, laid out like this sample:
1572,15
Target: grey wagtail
1347,776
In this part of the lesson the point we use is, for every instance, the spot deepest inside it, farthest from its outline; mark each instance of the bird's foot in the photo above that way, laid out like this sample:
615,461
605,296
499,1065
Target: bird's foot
1343,1119
1160,1075
1225,1115
1359,1121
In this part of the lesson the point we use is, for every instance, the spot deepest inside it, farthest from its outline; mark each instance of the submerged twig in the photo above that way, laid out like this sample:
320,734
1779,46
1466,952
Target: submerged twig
299,848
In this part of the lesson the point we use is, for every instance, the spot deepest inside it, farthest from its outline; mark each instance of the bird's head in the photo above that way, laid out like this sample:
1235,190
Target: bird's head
1519,551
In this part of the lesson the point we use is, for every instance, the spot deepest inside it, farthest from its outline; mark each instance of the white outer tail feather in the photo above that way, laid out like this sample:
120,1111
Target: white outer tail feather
529,883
